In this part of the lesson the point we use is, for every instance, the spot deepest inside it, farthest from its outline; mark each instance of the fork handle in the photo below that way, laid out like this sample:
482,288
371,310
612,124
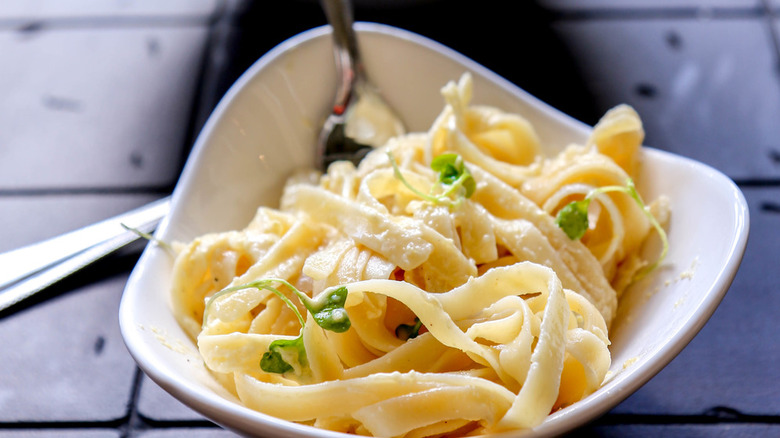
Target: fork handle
26,261
347,55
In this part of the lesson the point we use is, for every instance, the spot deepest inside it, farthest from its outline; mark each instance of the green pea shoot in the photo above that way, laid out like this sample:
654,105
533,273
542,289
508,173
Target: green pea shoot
573,218
327,310
273,359
148,237
454,180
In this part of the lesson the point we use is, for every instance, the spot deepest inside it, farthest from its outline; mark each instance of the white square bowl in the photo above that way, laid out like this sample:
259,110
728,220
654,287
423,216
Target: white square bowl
265,128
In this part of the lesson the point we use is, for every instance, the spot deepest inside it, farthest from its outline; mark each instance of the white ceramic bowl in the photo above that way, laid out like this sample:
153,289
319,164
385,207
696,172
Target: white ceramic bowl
275,109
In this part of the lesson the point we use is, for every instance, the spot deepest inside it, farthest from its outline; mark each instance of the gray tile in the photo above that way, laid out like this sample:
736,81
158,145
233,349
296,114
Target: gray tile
706,89
590,5
58,433
57,9
156,404
681,430
188,433
732,362
29,219
104,107
64,359
775,23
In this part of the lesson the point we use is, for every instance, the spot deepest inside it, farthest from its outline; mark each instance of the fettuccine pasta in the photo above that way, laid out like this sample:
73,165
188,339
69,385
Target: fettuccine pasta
460,308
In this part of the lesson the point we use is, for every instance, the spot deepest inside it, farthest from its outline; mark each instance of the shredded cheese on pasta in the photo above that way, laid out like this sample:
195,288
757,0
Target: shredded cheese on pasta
513,314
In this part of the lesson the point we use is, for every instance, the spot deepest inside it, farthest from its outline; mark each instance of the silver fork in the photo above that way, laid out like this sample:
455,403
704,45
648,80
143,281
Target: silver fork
360,121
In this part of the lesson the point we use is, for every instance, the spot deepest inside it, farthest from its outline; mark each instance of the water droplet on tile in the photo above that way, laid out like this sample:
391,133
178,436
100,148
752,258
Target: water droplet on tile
774,156
137,160
100,343
152,46
770,207
30,27
60,103
674,40
646,90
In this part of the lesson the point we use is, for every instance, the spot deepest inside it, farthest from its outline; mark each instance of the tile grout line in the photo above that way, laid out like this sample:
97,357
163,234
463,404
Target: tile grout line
716,416
649,13
165,189
770,14
204,87
133,422
771,19
30,25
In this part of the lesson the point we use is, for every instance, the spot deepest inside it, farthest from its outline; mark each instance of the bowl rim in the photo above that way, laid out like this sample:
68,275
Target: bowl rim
235,416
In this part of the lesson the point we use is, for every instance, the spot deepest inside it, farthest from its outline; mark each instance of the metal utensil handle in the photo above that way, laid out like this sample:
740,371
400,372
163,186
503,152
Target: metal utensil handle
339,15
24,262
347,54
41,280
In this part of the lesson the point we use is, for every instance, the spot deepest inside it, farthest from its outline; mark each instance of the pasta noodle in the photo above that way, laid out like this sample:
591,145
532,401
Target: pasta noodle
469,308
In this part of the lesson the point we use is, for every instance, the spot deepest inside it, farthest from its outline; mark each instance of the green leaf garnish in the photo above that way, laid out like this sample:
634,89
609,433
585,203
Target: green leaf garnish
573,218
454,179
449,166
454,173
405,332
327,310
148,237
273,360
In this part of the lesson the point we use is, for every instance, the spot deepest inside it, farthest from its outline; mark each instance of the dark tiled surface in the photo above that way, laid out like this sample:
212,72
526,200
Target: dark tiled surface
66,81
99,108
690,431
64,359
703,85
191,432
58,433
622,5
14,13
104,98
157,405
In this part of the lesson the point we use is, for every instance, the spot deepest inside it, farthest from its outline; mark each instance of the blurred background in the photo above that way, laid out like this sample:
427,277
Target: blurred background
100,102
